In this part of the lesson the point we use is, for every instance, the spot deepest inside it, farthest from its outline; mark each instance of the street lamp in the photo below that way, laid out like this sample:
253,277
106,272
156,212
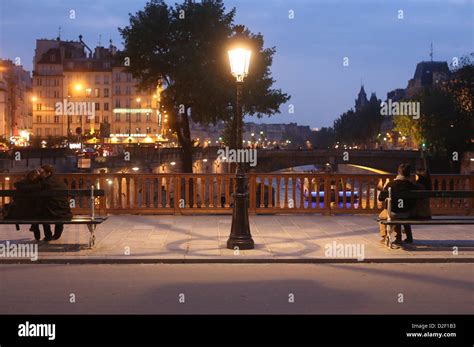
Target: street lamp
240,236
68,132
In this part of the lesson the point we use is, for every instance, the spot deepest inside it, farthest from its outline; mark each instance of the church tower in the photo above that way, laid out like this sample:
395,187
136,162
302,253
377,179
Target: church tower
361,100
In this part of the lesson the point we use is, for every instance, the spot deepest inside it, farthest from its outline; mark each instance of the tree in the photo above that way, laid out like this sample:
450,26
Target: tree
324,138
184,47
409,127
446,124
446,121
359,127
344,127
461,86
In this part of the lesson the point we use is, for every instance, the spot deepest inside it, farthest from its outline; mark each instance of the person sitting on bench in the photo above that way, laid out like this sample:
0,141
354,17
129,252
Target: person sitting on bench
421,208
54,207
400,207
25,206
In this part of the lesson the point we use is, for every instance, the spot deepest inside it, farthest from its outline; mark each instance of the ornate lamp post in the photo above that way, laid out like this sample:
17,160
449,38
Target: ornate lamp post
240,236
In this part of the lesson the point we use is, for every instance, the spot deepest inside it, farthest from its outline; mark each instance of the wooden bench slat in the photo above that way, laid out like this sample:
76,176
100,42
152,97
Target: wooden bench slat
51,193
74,220
419,194
437,221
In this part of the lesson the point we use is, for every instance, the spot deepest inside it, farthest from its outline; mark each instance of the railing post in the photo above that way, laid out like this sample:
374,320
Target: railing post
327,193
252,195
102,199
471,187
389,204
177,194
92,203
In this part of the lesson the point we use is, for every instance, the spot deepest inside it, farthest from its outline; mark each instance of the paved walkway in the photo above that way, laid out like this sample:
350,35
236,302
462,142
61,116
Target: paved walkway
282,238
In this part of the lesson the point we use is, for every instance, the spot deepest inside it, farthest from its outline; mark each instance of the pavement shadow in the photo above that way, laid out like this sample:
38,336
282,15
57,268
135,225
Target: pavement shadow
440,246
355,232
61,247
302,248
45,246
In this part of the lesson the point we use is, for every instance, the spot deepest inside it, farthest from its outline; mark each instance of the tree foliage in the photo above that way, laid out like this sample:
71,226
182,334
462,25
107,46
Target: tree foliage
446,122
324,138
409,127
185,47
359,127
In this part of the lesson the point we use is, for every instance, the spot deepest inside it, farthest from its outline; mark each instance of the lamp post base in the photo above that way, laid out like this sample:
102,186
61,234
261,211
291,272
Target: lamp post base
240,236
246,243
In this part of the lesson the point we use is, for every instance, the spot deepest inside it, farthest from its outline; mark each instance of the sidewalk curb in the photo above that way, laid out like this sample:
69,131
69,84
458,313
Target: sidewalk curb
238,261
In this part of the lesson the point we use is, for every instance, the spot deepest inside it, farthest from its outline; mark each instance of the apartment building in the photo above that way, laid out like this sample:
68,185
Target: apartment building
76,90
15,102
136,116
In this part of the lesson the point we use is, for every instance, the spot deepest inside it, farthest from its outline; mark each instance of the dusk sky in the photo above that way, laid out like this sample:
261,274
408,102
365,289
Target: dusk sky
383,50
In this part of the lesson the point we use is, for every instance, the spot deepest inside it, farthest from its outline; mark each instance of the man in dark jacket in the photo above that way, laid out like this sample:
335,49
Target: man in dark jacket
27,204
400,206
55,207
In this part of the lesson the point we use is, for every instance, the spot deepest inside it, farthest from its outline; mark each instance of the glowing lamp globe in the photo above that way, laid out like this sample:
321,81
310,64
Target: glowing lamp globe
239,63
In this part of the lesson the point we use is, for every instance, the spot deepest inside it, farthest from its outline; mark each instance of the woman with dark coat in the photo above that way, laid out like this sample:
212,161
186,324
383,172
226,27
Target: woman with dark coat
55,207
421,208
26,205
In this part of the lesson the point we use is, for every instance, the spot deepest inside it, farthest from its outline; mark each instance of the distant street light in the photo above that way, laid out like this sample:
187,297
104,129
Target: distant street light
240,236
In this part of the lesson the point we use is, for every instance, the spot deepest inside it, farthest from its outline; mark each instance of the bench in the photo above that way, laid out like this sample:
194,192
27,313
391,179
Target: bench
424,194
92,221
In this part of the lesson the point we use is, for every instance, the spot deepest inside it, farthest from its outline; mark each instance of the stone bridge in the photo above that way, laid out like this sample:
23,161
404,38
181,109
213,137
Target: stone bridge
385,160
268,160
273,160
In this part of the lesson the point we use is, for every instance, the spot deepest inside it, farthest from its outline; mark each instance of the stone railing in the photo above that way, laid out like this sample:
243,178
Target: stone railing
269,193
